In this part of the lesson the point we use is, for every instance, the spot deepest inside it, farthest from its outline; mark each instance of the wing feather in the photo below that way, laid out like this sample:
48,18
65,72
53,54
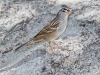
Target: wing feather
51,27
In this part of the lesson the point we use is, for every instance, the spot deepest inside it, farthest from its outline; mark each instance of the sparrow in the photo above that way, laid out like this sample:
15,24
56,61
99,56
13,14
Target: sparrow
52,30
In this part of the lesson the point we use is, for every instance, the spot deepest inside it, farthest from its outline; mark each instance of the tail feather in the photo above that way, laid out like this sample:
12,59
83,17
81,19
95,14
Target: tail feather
28,43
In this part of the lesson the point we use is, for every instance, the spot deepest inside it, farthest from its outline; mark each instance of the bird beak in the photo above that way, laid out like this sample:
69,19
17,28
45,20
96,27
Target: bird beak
68,12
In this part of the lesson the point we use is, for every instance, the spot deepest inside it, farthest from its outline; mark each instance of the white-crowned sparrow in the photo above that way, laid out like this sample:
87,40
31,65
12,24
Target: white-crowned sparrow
53,30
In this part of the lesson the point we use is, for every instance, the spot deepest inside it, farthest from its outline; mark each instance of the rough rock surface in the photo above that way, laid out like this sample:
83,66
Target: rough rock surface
20,20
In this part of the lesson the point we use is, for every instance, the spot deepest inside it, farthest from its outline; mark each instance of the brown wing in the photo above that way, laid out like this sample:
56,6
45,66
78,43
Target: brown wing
51,27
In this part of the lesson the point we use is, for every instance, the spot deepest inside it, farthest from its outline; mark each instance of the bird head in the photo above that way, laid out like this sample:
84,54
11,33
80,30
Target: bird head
64,12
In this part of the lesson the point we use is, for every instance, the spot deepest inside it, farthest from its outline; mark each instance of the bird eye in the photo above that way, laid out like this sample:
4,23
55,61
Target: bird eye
68,10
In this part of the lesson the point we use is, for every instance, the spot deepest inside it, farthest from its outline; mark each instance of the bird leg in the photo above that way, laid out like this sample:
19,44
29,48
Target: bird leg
60,47
52,48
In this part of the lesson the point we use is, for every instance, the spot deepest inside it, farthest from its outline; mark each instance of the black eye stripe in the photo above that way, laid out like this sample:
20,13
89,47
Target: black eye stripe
64,8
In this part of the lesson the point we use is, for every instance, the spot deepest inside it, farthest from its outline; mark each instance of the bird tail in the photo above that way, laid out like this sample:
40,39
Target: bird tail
28,43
